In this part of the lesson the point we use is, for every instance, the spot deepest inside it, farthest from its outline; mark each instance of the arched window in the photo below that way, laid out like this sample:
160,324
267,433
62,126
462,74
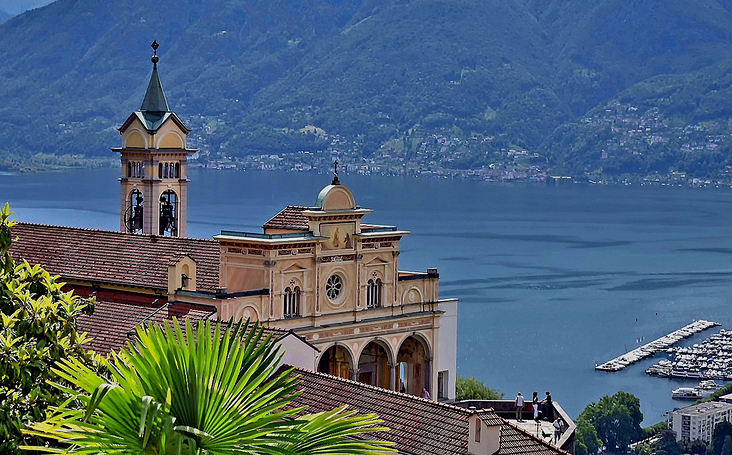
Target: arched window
373,293
160,170
177,170
292,302
134,212
129,169
168,224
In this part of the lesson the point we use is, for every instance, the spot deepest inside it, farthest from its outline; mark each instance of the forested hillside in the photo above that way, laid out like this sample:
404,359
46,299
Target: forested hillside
528,86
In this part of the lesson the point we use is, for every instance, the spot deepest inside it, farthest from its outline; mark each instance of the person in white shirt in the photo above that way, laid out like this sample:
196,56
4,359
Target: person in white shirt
519,407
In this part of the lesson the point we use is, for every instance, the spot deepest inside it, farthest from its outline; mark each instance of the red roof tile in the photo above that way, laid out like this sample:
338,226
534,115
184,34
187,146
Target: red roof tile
515,441
291,217
114,257
416,426
116,314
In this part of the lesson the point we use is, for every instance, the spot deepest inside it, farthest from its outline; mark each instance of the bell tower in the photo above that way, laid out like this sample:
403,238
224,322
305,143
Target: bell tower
154,157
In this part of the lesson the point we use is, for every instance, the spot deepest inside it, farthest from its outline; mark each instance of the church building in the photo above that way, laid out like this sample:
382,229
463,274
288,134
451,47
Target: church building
319,275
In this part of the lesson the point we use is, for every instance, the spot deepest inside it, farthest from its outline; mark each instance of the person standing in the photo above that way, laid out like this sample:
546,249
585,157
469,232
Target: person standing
535,405
547,410
519,402
557,429
425,393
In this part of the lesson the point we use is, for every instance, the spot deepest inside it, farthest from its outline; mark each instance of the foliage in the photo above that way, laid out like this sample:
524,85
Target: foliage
587,442
695,447
473,389
655,429
722,431
205,390
616,419
667,444
38,329
727,446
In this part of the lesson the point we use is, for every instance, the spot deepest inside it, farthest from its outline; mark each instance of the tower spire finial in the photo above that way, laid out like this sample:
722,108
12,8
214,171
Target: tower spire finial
155,59
155,97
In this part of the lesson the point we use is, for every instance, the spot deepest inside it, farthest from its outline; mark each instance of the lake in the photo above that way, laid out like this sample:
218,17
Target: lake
550,279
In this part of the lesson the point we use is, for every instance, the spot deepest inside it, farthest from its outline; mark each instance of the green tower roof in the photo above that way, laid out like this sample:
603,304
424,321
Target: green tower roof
155,97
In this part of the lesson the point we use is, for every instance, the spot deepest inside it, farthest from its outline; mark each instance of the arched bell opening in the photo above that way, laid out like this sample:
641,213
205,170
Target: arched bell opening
134,212
335,361
168,214
373,365
413,366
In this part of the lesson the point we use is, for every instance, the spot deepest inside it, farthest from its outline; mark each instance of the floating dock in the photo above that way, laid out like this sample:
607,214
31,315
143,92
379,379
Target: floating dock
653,347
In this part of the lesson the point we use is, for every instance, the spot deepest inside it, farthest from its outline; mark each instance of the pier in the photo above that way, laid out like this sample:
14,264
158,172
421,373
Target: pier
649,349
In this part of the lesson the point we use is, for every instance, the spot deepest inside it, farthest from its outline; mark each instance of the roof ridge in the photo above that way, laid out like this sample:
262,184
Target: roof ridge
394,392
194,239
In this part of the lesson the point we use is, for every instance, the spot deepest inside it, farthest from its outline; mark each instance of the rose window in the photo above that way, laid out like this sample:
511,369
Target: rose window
333,287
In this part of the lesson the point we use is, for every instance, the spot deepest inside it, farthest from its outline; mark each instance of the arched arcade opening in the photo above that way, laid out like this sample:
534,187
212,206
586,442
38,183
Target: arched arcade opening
373,365
336,361
413,366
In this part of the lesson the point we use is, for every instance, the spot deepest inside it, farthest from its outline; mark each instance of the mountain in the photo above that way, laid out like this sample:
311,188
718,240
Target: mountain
4,16
426,83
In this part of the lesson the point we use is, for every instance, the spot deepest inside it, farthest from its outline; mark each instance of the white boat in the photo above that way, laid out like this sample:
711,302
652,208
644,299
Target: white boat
703,390
686,393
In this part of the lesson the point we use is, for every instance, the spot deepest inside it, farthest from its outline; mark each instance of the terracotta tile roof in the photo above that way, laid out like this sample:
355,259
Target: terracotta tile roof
416,426
114,257
116,314
291,217
515,441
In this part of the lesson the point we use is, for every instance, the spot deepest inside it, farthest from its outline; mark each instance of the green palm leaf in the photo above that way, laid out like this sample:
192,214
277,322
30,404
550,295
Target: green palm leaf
204,390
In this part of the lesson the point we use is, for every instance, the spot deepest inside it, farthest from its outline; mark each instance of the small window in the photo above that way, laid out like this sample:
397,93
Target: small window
442,378
177,170
160,170
477,430
129,169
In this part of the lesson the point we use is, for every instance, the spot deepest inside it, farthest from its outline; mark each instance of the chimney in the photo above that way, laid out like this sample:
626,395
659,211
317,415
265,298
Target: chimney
483,439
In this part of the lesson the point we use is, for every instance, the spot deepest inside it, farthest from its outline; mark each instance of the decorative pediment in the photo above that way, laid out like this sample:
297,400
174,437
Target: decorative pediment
294,268
377,261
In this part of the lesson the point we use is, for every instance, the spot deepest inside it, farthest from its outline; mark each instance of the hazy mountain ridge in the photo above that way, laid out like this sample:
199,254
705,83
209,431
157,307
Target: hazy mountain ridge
4,16
391,75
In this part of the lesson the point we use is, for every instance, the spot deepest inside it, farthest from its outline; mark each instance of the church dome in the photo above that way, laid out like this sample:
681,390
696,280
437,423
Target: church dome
335,197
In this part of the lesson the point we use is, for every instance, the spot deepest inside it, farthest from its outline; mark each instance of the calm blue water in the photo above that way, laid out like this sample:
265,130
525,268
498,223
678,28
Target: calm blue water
550,279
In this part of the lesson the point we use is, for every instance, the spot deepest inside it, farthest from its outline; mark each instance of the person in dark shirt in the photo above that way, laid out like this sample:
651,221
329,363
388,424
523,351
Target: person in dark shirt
547,410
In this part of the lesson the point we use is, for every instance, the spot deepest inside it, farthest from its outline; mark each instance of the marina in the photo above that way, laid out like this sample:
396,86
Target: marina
655,346
710,359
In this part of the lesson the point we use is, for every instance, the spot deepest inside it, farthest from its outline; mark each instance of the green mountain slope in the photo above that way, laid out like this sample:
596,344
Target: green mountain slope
452,84
669,123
